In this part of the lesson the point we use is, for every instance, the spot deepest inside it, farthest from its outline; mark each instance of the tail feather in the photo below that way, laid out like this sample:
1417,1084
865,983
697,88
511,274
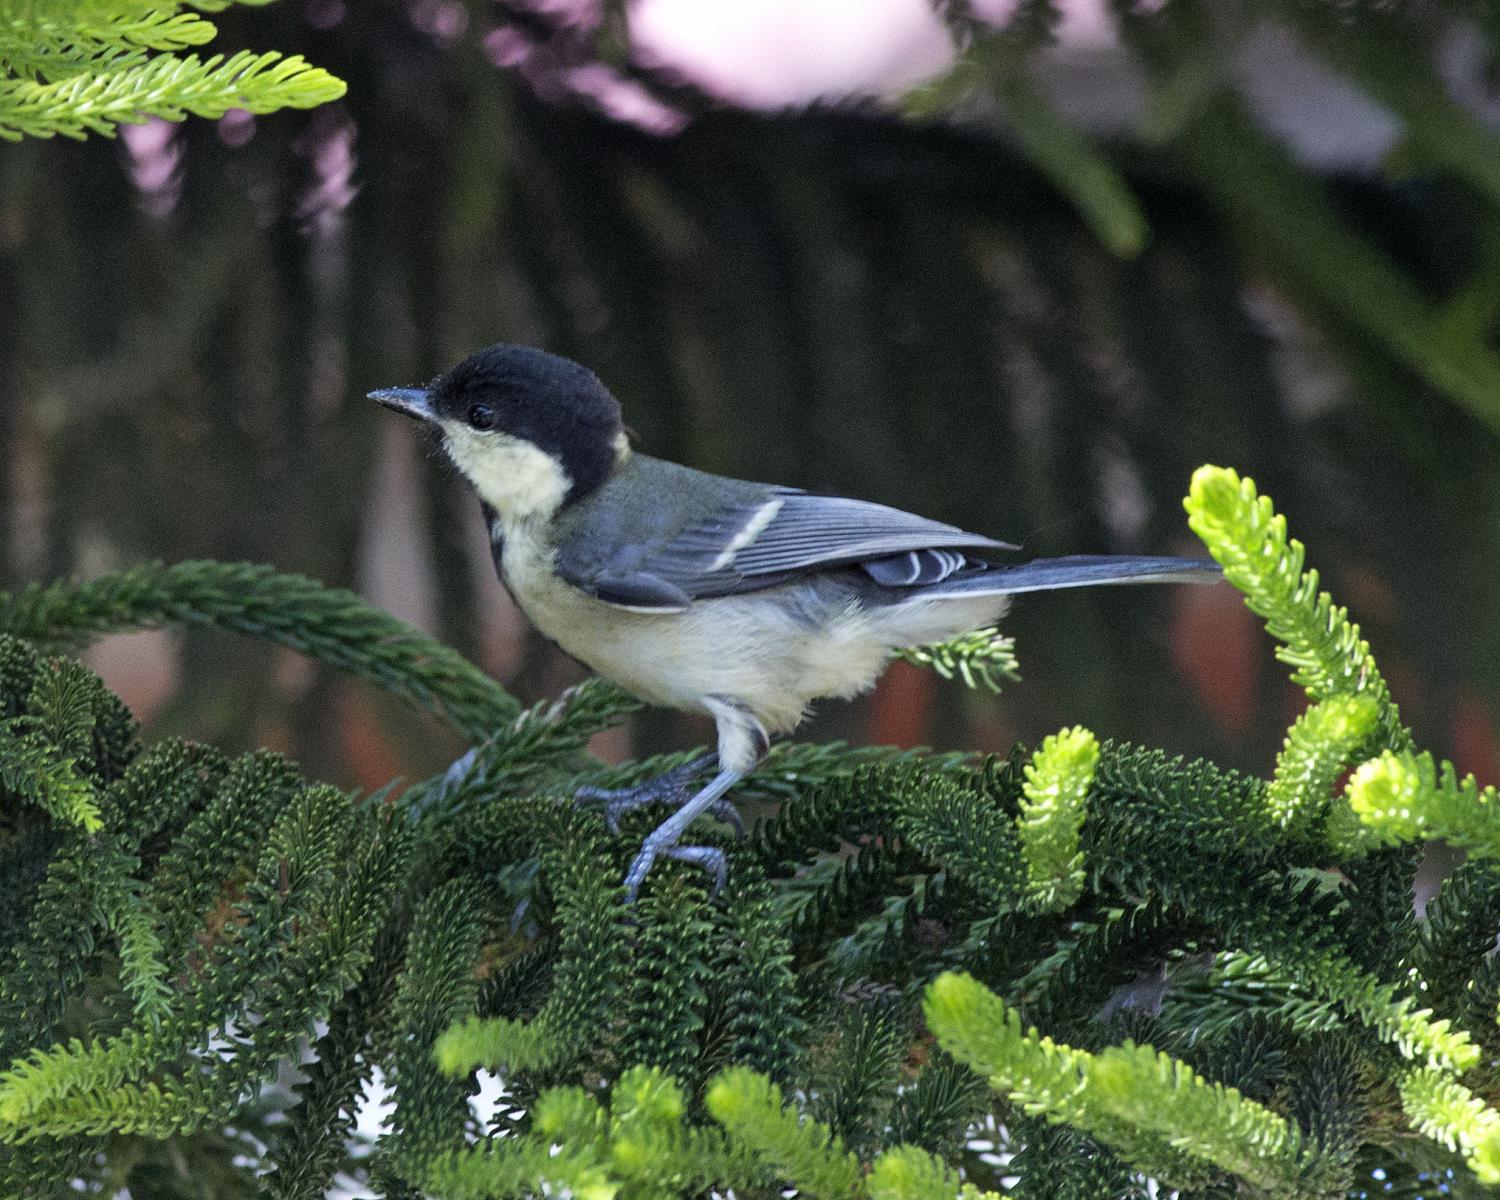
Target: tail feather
1078,570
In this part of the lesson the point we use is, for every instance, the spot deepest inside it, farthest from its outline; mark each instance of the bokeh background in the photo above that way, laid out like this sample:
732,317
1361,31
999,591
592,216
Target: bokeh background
1026,294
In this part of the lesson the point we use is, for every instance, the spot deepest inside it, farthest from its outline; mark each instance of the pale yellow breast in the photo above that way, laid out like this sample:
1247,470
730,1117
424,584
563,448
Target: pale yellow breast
747,648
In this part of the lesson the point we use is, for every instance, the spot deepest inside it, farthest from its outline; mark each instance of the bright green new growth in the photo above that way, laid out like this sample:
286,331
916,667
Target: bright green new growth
88,67
1407,798
646,1141
1243,531
1442,1108
1052,811
804,1153
1319,746
906,1173
1149,1108
179,925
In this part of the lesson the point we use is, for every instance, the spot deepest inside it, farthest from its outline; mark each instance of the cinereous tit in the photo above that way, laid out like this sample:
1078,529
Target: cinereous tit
744,601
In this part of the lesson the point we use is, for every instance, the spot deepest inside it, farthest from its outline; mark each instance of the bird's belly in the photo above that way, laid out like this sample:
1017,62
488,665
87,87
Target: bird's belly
755,649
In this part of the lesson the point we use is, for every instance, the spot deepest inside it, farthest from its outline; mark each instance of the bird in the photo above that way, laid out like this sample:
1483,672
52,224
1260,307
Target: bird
742,601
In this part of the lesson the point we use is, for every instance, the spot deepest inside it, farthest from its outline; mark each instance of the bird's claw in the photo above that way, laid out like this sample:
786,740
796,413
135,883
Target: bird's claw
671,787
710,858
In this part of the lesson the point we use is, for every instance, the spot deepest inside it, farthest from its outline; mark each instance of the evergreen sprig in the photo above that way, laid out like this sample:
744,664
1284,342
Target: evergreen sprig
1052,812
981,659
1153,1110
332,626
1319,746
1243,531
1409,797
1442,1108
75,69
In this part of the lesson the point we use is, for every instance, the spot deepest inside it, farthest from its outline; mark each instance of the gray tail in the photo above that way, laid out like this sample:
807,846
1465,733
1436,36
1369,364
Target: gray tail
1077,570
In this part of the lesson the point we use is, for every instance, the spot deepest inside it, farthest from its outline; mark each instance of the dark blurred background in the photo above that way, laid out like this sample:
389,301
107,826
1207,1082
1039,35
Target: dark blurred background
857,296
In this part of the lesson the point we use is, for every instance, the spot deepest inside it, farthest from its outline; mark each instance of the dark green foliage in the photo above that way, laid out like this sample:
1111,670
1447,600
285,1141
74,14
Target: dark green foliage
856,1070
665,995
1164,969
1056,1163
311,1146
331,626
936,1111
437,987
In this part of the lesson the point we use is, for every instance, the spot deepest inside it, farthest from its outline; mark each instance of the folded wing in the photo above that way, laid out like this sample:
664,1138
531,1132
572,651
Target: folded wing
780,534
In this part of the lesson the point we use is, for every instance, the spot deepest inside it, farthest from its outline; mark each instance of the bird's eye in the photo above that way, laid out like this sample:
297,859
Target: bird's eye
481,416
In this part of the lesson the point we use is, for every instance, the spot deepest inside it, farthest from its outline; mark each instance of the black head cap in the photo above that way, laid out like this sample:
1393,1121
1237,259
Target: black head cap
550,401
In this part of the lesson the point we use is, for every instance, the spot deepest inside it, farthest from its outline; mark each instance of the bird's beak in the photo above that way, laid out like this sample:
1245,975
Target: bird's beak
411,402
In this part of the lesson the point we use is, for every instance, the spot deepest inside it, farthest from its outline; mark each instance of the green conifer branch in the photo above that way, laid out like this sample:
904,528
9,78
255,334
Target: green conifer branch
29,767
1446,1111
587,978
649,1144
334,627
639,1147
166,86
1052,811
74,69
952,822
126,913
981,659
1249,539
906,1173
1318,747
513,1167
1407,797
91,882
1055,1160
1237,989
312,908
664,996
1457,936
803,1152
1090,957
1289,925
46,45
437,987
752,986
854,1079
937,1110
1151,1108
311,1147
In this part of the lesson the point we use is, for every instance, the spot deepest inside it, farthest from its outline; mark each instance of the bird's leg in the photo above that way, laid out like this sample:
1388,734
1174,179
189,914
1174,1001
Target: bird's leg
663,839
668,787
742,743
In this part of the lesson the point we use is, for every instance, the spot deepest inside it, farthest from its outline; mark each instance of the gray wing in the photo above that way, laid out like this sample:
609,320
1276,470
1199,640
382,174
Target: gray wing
764,540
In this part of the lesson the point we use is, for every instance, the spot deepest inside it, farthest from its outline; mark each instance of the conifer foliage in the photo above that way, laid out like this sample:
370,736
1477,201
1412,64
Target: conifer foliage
75,67
915,953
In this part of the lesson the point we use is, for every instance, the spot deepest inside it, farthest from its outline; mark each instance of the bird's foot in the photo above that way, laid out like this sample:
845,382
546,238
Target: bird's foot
710,858
662,841
671,787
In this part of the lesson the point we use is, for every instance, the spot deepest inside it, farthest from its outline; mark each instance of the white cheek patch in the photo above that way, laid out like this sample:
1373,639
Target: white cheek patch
514,477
